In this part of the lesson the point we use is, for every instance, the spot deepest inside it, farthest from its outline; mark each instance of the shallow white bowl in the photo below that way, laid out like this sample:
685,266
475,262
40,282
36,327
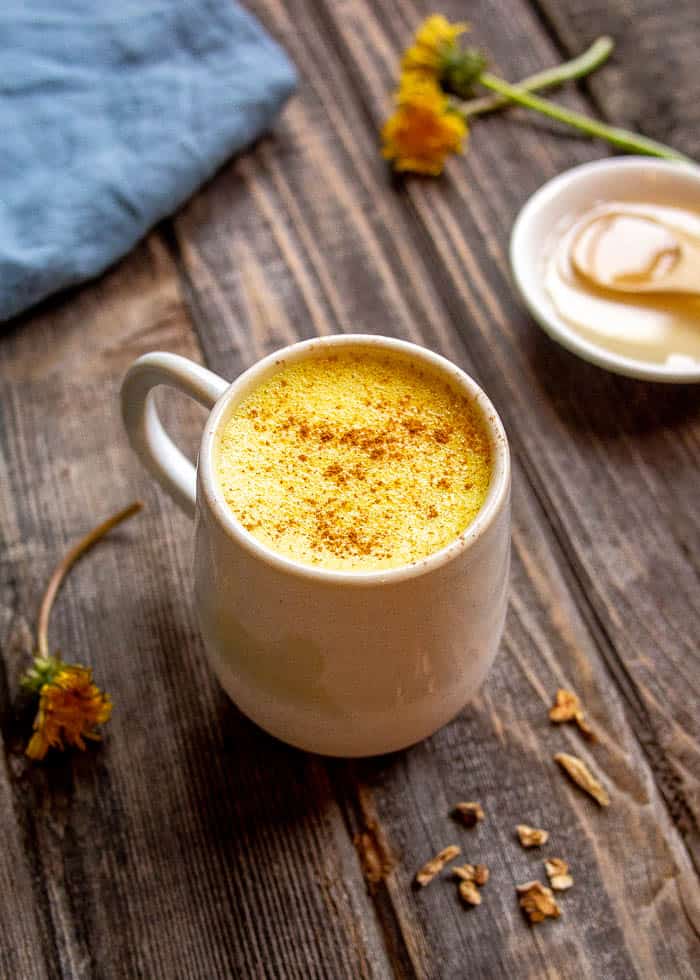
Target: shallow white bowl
570,194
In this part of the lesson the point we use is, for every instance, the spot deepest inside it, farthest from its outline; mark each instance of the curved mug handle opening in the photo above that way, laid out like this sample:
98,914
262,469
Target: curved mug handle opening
149,440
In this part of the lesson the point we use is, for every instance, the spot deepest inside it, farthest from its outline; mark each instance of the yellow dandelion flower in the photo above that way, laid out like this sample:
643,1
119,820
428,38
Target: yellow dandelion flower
70,707
434,42
423,130
415,88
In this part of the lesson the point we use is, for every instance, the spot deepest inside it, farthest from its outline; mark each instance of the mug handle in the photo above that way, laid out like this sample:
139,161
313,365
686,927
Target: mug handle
148,438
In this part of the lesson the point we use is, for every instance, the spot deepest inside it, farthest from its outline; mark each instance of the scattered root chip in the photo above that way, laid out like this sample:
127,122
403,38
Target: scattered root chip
469,813
582,776
558,874
481,874
469,893
531,836
436,864
478,873
567,707
537,901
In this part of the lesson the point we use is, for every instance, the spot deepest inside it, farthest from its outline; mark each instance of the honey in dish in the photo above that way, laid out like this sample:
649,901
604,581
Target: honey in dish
356,460
636,243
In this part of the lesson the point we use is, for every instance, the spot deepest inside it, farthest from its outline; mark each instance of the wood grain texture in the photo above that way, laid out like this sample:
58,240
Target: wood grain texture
189,845
291,187
588,440
192,845
296,196
650,84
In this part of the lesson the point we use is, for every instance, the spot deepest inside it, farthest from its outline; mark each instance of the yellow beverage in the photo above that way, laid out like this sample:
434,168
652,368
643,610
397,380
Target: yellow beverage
357,460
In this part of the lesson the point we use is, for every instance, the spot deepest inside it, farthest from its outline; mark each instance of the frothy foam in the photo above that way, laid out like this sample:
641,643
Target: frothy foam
356,460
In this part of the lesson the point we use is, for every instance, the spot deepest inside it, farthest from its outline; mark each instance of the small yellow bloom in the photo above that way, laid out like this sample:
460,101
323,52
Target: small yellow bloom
433,43
70,706
416,88
423,130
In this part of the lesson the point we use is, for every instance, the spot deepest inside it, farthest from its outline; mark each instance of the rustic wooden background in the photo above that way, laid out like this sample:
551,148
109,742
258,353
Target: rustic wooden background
190,844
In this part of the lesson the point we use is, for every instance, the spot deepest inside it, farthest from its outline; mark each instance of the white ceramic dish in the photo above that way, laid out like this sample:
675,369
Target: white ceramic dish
570,194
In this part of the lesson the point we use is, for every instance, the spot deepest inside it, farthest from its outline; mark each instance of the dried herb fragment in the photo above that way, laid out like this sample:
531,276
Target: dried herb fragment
436,864
537,902
558,874
567,707
582,776
469,893
481,874
478,873
469,813
465,872
531,836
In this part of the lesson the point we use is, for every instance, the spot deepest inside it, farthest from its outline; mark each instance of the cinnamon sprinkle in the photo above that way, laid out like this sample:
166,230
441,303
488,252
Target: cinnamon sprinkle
367,456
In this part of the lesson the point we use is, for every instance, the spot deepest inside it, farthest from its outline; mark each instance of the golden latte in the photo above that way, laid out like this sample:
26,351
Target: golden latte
357,460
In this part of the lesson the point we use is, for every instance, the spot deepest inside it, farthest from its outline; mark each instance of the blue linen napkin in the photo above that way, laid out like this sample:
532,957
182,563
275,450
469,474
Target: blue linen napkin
112,113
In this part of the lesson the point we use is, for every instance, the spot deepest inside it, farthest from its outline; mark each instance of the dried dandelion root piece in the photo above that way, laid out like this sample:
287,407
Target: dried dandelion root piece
469,893
531,836
567,707
558,874
481,874
471,876
436,864
478,873
469,813
537,901
582,776
465,872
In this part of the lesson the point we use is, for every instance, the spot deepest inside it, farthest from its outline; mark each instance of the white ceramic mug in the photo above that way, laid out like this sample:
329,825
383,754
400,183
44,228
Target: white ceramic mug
341,663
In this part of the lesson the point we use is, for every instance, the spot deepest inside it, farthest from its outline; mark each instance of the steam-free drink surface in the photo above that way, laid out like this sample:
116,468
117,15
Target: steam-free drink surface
357,460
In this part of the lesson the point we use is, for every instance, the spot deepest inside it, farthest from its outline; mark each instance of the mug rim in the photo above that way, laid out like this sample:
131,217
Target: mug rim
496,496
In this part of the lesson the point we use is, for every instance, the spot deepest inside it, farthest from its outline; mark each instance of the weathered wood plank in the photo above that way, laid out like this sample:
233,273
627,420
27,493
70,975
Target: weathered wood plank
189,844
24,939
316,258
651,84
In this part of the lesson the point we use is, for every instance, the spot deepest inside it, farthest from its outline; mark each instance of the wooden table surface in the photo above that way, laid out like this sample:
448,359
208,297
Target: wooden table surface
190,844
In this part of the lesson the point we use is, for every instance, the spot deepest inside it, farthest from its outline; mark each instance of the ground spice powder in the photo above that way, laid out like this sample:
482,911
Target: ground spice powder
358,460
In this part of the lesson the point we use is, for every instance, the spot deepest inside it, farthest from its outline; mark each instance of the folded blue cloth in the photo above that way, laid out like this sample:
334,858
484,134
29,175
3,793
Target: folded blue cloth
112,112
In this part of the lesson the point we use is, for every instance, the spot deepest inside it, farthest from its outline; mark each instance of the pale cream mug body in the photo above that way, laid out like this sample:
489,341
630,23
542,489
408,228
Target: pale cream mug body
341,663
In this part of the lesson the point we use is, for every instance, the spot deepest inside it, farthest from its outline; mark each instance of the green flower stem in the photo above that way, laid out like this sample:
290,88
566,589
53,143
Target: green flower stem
621,138
593,58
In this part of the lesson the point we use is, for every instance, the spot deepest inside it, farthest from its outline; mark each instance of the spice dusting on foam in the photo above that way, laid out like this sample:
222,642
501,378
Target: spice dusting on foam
356,460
